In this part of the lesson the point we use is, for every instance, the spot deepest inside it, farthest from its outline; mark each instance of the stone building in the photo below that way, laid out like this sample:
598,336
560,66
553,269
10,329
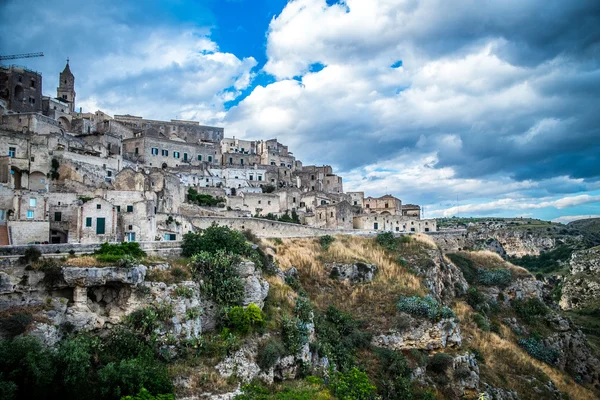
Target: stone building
189,131
357,199
96,222
393,223
21,89
333,216
387,204
233,145
322,179
66,88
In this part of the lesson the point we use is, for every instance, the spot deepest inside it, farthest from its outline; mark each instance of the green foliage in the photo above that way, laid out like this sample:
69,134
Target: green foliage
535,348
128,377
184,291
203,199
143,394
126,253
219,277
8,389
244,320
439,363
15,324
310,389
31,254
339,335
426,307
475,298
147,320
193,313
545,262
278,241
393,376
294,334
353,385
179,274
326,241
482,322
268,188
52,271
532,307
303,309
466,265
494,277
387,240
268,354
213,239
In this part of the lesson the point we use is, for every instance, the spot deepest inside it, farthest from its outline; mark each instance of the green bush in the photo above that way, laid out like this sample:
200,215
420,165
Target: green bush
213,239
494,277
426,307
387,240
115,252
481,322
535,348
532,307
179,274
294,334
466,266
475,298
393,375
184,291
203,199
244,320
128,377
326,241
31,254
219,277
144,320
545,262
303,309
143,394
353,385
439,363
15,324
270,353
52,272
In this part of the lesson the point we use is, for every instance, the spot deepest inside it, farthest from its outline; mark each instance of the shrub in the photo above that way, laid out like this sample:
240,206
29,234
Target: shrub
535,348
439,363
426,307
294,334
213,239
250,236
466,265
128,377
475,298
495,277
529,308
219,278
402,261
387,240
115,252
15,324
52,272
127,261
243,320
545,262
179,274
393,376
278,241
143,394
184,291
481,322
268,188
193,313
270,353
144,320
326,241
202,199
353,385
31,254
303,309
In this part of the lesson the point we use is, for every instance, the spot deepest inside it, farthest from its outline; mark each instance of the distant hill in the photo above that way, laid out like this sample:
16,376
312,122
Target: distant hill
589,228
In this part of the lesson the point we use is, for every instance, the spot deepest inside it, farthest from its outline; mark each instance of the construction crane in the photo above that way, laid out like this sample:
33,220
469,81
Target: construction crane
17,56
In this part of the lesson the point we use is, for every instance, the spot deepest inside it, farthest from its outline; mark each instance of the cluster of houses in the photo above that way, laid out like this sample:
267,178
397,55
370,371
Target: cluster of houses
72,177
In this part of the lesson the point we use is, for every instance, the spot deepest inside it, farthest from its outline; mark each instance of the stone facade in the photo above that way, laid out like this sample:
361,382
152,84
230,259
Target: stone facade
393,223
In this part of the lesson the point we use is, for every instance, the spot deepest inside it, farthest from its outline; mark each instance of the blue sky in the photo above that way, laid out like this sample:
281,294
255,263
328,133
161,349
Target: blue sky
493,103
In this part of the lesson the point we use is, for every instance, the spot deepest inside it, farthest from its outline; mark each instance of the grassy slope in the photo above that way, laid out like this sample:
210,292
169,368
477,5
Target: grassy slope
375,304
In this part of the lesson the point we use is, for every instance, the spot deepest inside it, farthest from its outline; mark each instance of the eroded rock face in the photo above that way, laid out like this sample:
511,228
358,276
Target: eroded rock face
575,356
444,280
422,334
355,273
582,288
256,288
101,276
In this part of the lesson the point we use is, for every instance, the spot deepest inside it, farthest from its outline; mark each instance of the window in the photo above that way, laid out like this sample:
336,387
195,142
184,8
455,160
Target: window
137,150
426,229
397,229
185,156
32,202
170,236
323,202
259,202
312,177
108,173
130,236
118,208
269,202
100,224
57,216
293,199
230,160
64,95
32,100
199,157
242,161
331,214
129,208
260,177
154,151
282,164
32,83
412,229
164,153
88,221
175,154
130,227
98,206
251,177
355,202
12,152
386,205
368,206
29,214
209,160
375,225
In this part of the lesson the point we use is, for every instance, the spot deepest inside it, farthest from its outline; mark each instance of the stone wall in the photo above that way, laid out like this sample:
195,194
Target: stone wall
151,248
23,232
263,227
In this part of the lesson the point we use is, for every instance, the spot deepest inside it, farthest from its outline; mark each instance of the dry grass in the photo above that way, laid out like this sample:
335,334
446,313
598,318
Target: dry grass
202,378
85,261
374,302
505,362
426,239
489,259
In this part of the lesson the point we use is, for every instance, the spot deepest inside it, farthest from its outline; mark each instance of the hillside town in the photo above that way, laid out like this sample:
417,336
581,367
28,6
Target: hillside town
68,176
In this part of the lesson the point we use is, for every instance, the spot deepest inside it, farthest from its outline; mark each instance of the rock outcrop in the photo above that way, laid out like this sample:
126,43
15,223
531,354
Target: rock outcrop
421,334
581,289
355,273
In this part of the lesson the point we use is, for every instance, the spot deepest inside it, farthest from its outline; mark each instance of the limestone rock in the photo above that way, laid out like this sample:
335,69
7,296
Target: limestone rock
575,356
356,273
444,280
6,283
242,363
256,288
101,276
423,334
582,288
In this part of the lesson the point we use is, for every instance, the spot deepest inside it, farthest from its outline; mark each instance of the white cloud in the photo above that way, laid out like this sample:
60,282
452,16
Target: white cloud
569,218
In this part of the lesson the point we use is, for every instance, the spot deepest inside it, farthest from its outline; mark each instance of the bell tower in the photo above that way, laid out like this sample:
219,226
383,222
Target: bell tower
66,87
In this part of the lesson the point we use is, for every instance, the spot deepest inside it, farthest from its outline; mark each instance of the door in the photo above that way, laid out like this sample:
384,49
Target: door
375,225
100,223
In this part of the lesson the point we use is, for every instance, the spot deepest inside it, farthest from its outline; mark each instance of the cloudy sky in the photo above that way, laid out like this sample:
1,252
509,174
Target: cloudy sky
493,105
